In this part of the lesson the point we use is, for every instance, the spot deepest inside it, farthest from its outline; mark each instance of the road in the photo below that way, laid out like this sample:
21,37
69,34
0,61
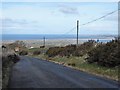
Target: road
36,73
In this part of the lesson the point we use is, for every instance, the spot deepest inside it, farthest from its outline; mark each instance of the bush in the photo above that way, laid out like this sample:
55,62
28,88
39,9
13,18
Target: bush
106,54
71,49
14,58
36,52
9,58
53,51
71,64
23,52
7,63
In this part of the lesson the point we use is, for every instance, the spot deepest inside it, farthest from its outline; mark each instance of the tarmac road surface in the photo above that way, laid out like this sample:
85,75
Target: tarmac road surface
36,73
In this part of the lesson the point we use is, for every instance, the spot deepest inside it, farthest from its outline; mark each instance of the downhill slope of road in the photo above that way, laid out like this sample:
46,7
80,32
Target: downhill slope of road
36,73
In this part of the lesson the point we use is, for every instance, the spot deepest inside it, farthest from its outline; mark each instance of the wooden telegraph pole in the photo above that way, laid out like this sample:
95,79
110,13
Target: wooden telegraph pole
77,30
44,41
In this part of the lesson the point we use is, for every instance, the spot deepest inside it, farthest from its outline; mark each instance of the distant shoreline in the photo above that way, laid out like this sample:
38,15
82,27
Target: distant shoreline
108,38
53,42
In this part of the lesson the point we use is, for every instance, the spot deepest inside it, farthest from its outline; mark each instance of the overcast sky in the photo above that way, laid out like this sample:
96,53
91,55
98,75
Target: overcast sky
58,18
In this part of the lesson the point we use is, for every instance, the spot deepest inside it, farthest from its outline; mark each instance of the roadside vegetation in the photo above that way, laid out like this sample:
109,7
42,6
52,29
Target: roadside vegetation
7,63
9,58
107,55
97,58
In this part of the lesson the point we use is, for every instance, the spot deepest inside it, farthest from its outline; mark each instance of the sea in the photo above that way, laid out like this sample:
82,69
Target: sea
101,38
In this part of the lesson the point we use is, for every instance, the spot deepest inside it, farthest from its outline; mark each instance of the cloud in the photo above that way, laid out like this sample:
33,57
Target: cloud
8,23
17,26
68,10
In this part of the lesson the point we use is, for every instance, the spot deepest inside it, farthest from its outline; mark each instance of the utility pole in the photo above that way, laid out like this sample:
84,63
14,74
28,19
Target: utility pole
77,30
44,41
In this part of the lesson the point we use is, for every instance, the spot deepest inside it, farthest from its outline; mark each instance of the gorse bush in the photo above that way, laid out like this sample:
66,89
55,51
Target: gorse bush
71,49
84,48
106,54
53,51
62,51
23,52
37,52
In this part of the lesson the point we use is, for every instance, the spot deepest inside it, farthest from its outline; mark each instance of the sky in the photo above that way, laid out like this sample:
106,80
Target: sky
58,17
60,0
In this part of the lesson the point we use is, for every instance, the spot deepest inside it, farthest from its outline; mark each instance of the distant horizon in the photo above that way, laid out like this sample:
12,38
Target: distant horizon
53,36
59,34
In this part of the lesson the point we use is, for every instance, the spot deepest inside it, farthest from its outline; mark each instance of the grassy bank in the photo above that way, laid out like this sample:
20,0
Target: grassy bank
80,64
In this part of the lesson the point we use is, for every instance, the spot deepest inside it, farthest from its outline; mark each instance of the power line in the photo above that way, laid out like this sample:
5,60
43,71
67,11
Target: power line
70,30
92,21
99,18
